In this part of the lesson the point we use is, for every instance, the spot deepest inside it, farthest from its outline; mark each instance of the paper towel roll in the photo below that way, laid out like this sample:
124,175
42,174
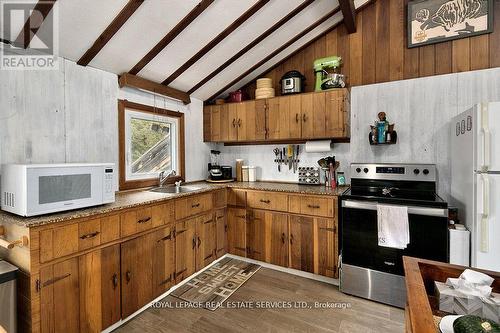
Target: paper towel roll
321,146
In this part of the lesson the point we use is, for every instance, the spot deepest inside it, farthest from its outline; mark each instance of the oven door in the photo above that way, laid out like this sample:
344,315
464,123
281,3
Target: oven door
54,189
428,237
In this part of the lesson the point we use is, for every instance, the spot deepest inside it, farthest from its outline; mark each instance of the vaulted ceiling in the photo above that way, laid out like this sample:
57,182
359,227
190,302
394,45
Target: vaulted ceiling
203,47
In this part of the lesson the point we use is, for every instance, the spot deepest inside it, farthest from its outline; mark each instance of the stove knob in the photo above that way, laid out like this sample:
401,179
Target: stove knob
416,171
365,170
426,171
358,170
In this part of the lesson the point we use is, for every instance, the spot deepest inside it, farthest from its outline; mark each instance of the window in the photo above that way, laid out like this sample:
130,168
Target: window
151,141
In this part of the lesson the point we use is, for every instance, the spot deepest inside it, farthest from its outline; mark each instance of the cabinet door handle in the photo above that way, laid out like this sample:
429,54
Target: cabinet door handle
56,279
296,117
91,235
234,122
128,276
219,217
313,206
194,242
199,242
239,122
283,238
169,237
291,239
195,205
225,228
304,118
241,217
144,220
265,201
114,279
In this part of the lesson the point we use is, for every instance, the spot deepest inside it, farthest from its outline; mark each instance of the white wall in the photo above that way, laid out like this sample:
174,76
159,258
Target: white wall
70,115
421,110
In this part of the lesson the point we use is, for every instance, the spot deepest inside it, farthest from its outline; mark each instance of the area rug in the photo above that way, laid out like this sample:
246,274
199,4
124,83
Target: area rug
215,284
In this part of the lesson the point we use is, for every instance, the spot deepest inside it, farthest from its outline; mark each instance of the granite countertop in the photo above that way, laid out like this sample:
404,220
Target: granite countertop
130,199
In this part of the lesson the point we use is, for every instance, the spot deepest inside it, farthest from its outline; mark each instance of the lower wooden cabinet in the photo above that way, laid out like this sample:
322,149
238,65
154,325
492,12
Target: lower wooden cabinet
236,231
163,260
221,230
136,273
185,249
81,294
313,245
206,241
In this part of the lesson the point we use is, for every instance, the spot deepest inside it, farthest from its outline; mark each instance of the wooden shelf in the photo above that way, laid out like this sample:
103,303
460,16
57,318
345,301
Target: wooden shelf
394,139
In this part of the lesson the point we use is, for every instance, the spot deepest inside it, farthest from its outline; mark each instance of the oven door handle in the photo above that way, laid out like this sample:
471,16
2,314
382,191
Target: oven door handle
413,210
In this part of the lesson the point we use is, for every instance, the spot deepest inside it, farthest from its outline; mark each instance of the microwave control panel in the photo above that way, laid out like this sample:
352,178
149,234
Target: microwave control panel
109,190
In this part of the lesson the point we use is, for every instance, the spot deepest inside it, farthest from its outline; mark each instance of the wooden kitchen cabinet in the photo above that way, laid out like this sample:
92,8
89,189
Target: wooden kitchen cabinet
317,115
221,230
256,235
60,297
236,231
313,245
185,249
163,260
136,273
81,294
206,241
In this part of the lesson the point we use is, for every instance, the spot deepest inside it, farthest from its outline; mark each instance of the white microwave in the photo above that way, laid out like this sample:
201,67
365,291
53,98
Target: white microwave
35,189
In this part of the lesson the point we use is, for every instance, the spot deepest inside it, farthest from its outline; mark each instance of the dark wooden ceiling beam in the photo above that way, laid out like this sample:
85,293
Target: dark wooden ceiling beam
110,31
239,21
349,13
253,43
278,51
190,17
34,22
130,80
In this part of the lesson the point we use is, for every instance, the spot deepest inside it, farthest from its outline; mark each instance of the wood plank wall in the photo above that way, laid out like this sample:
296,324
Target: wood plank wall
377,52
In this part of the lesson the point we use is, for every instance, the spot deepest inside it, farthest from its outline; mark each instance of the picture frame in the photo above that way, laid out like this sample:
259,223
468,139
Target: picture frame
436,21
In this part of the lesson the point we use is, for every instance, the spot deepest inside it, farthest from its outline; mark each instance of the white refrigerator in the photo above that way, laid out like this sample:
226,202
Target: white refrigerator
475,183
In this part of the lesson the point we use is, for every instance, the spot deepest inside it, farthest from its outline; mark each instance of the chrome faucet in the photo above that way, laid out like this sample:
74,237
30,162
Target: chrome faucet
162,178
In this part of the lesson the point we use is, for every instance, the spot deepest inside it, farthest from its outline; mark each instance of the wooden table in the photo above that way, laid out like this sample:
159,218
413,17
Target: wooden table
421,305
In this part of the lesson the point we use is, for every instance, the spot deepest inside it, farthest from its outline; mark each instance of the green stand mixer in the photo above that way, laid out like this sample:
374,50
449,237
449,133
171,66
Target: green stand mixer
324,79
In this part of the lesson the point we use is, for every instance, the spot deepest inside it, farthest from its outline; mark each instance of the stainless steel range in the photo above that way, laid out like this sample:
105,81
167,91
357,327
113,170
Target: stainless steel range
376,272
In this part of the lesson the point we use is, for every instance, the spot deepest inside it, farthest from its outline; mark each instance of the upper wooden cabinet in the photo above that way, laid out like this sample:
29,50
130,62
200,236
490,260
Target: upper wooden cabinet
319,115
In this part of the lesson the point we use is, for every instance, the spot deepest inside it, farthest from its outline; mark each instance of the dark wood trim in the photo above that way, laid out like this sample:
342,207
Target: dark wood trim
256,41
239,21
134,184
30,27
169,37
360,8
110,31
278,51
284,141
349,14
134,81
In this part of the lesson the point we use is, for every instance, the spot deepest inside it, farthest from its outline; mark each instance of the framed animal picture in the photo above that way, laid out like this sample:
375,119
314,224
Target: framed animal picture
435,21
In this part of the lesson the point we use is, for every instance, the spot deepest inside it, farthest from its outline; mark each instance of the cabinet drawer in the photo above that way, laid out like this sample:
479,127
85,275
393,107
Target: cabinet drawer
136,221
236,197
89,234
163,214
312,205
194,205
268,200
220,198
58,242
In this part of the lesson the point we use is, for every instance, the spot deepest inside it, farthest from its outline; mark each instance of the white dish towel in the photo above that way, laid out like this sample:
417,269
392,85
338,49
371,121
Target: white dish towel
393,226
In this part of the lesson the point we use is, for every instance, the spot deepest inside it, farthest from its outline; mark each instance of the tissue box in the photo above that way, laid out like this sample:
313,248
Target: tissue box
458,302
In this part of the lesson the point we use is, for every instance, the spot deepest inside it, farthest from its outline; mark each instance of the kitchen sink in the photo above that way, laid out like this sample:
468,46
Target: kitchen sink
174,189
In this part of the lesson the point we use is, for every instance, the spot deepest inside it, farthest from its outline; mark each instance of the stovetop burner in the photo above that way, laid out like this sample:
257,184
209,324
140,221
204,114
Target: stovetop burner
406,184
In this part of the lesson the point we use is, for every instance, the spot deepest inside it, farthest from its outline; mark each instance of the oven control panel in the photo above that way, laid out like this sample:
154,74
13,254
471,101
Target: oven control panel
410,172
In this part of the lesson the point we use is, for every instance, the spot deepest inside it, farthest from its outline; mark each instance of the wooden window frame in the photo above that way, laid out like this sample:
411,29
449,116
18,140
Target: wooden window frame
141,183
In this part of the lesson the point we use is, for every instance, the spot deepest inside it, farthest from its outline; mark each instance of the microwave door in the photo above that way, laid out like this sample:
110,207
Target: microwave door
56,189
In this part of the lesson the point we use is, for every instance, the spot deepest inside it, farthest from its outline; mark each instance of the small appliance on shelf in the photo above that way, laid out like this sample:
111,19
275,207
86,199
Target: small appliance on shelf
292,83
327,76
216,172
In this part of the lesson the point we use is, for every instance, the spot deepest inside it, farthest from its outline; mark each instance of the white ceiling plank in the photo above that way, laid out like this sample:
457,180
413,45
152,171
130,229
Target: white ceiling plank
213,21
281,36
246,33
228,75
82,22
149,24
